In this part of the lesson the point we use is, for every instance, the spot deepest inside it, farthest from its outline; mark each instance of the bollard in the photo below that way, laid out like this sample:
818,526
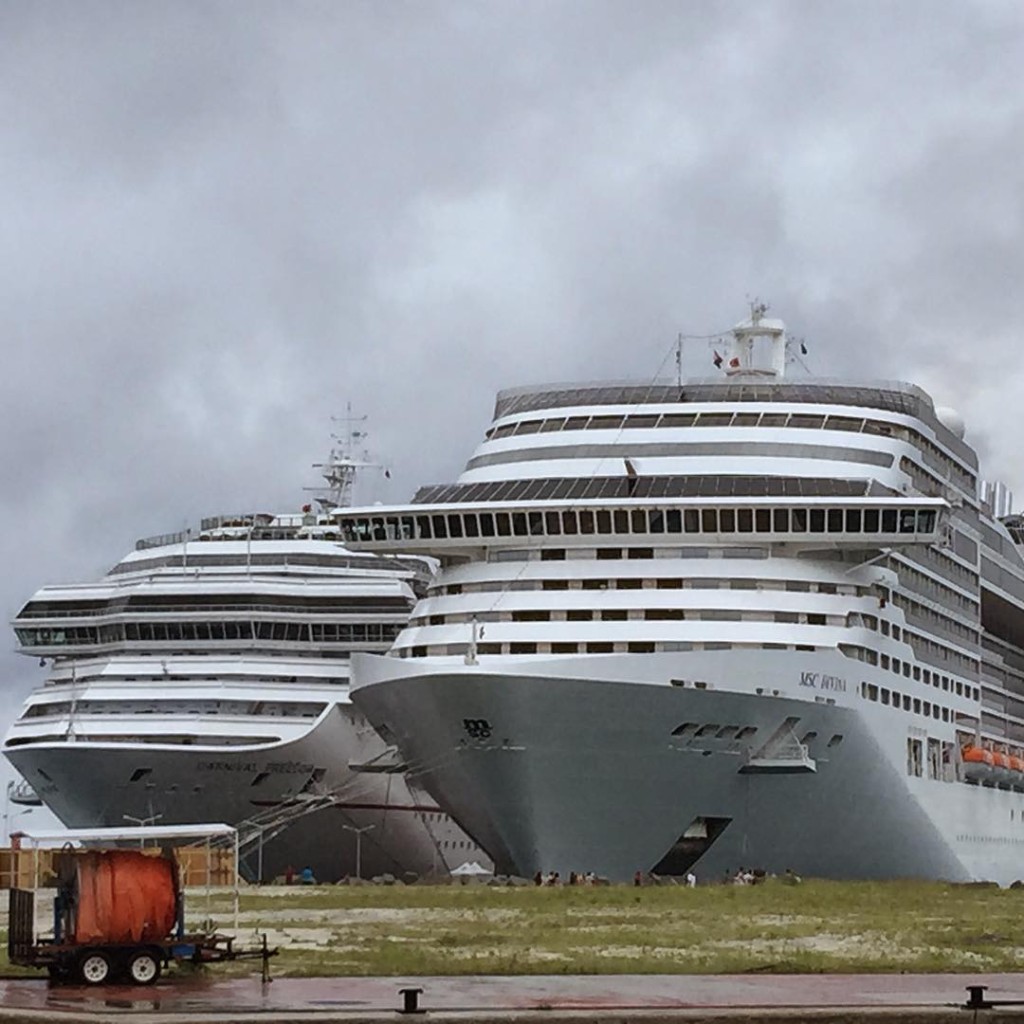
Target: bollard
410,1000
977,1000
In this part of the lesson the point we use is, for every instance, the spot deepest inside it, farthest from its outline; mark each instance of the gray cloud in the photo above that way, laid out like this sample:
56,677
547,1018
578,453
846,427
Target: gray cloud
221,223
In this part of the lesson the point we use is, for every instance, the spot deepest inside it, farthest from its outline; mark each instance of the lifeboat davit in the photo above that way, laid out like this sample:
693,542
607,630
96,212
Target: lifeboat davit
979,764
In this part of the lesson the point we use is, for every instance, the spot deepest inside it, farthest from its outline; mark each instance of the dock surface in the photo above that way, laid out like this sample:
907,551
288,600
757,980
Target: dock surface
550,998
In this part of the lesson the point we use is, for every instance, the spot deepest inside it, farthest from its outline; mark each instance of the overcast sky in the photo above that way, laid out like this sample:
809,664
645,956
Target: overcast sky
223,221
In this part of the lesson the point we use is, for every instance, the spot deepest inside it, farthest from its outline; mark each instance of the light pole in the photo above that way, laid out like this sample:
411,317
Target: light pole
142,822
359,843
259,849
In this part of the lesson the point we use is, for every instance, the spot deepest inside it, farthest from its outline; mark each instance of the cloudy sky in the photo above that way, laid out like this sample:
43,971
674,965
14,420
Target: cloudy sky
223,221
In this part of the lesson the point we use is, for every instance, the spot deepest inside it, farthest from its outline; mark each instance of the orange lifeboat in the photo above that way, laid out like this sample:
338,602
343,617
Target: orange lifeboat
1001,764
978,763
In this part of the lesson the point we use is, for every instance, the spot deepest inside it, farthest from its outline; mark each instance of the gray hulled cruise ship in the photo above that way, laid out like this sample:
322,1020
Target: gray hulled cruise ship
749,620
206,678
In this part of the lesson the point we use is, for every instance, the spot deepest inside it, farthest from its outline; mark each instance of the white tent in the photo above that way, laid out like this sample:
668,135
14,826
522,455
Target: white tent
470,868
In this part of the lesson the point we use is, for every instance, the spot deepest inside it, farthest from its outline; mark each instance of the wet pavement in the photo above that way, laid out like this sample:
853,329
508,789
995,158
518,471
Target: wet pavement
549,998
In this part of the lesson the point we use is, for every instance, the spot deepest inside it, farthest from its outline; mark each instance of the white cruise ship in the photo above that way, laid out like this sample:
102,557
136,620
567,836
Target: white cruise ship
750,621
205,678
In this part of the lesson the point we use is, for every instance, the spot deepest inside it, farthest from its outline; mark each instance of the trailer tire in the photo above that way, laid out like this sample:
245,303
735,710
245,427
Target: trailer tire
143,967
95,967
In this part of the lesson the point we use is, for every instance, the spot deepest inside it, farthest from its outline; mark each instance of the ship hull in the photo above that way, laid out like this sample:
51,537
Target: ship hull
588,764
91,784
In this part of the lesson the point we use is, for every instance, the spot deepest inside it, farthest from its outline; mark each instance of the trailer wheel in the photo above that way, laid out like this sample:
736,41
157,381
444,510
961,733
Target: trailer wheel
143,967
94,967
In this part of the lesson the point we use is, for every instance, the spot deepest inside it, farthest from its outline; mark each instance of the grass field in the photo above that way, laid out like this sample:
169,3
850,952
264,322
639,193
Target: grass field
816,926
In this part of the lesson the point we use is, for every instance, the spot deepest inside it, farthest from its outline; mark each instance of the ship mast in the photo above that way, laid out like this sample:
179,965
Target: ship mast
758,346
343,462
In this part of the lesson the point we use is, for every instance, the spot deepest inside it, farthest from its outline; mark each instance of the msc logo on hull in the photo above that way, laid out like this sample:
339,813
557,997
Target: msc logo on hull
477,728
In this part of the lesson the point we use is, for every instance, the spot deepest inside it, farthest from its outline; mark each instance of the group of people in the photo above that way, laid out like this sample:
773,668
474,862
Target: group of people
575,878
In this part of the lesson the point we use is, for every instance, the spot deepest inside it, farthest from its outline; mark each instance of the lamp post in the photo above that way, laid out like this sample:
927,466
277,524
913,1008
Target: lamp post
142,823
258,828
359,843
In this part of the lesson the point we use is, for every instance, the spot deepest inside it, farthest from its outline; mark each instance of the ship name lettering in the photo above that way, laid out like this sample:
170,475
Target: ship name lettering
289,768
227,766
819,681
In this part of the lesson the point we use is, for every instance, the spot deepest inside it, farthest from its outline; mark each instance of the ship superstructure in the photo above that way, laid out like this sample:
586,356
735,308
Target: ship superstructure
749,620
205,678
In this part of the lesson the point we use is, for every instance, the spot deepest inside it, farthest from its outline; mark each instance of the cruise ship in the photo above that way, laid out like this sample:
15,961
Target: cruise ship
758,620
205,678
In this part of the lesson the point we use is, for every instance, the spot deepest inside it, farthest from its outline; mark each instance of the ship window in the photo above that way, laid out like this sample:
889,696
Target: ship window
727,521
454,526
503,524
691,520
835,520
553,424
835,740
552,554
621,519
522,648
715,419
640,647
669,584
639,521
599,647
569,523
678,419
853,520
781,517
636,422
746,419
926,520
908,519
579,615
564,648
605,422
576,422
608,554
799,520
604,521
709,520
440,532
872,693
519,524
640,553
889,520
470,525
629,584
885,695
884,660
486,524
656,521
763,520
586,518
774,419
528,427
817,520
906,702
871,520
805,421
